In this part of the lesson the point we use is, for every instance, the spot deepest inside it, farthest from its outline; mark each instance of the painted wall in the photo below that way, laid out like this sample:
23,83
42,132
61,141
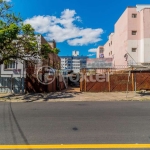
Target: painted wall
18,72
122,41
146,20
98,51
116,46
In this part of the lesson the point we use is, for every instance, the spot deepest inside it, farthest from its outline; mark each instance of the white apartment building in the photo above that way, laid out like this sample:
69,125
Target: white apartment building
74,62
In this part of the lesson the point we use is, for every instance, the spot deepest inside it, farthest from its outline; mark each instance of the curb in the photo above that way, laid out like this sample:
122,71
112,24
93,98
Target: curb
71,100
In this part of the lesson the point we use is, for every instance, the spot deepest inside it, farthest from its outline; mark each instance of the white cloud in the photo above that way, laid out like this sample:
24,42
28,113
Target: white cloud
89,55
7,0
63,28
93,50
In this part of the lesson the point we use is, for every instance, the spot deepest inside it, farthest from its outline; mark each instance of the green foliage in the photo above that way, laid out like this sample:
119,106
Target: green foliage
45,50
8,34
17,40
7,15
55,50
27,29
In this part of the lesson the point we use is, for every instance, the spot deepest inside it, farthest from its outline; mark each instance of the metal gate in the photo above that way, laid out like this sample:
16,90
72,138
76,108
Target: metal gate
11,84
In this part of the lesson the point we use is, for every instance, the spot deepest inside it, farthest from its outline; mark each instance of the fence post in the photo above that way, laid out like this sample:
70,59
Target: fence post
85,79
81,80
11,83
132,81
135,82
128,83
109,81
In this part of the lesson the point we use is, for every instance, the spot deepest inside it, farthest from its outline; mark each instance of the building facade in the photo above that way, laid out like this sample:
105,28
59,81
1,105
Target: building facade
17,68
12,75
129,45
74,62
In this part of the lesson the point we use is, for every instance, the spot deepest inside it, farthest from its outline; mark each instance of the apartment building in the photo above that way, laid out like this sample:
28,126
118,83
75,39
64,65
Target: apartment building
129,44
74,62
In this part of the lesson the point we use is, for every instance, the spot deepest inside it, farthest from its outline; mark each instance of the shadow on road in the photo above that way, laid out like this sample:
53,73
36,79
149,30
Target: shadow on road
144,93
14,124
31,97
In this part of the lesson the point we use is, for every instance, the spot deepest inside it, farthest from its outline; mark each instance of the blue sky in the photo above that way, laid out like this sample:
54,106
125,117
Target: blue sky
74,24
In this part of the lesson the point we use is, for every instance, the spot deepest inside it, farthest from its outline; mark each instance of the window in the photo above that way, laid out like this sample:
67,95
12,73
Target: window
134,32
101,50
11,65
134,49
134,15
110,53
101,55
111,42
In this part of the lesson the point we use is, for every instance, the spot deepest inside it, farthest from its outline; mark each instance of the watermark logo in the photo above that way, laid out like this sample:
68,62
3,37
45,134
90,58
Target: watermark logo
46,75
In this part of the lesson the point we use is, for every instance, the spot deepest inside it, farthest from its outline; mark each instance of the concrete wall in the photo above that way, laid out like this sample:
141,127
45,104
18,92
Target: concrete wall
116,46
133,56
120,40
123,41
18,71
146,20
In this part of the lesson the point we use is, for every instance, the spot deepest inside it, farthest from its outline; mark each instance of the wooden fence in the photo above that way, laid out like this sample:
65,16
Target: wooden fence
117,82
34,86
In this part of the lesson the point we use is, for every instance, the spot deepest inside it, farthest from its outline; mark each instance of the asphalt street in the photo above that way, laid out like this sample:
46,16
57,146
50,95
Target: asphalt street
75,122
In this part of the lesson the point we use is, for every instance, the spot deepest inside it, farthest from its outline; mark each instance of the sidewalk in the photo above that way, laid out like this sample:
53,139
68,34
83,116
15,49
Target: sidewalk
75,95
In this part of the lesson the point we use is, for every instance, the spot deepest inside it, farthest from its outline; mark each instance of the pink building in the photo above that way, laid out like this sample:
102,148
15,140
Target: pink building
130,43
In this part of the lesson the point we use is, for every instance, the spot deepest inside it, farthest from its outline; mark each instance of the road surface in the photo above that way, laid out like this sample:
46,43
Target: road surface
75,123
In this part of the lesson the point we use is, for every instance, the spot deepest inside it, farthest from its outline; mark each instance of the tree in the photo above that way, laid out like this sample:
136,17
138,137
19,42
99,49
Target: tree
55,50
45,49
17,40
